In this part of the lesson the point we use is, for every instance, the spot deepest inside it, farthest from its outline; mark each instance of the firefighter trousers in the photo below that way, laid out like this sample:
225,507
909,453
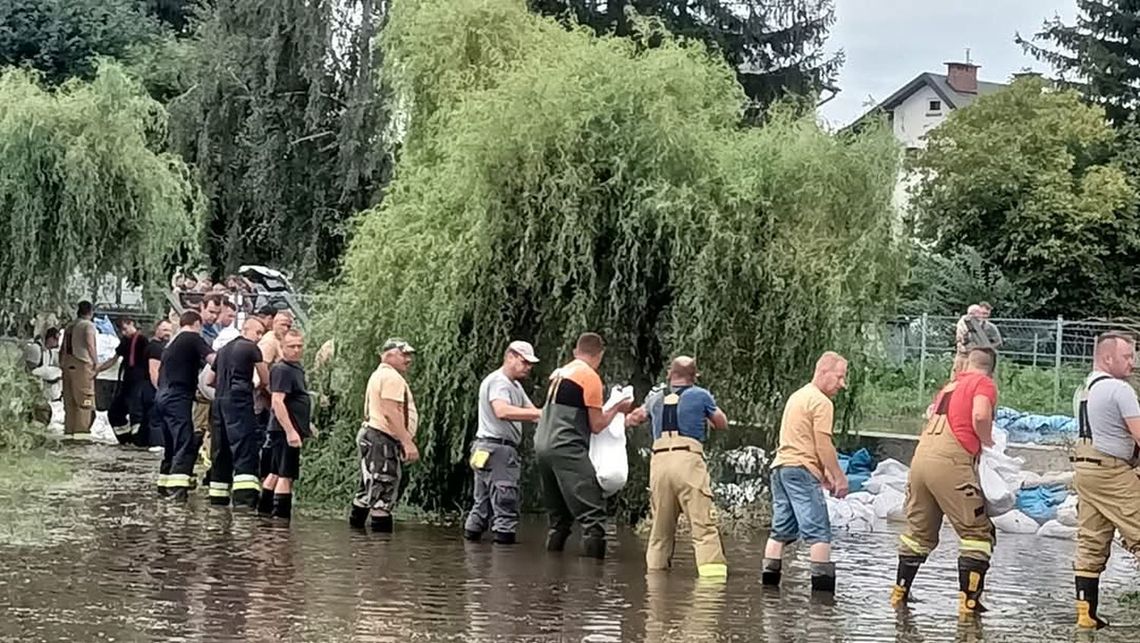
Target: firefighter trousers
679,484
944,481
176,412
1108,500
78,394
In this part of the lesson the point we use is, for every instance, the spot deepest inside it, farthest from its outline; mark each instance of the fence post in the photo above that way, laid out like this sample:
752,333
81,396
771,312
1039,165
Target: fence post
922,360
1057,364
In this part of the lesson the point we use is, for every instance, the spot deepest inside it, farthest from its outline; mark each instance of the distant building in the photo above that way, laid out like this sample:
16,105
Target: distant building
923,103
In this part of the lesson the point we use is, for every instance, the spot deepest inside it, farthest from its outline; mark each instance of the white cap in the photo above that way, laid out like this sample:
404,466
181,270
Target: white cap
524,350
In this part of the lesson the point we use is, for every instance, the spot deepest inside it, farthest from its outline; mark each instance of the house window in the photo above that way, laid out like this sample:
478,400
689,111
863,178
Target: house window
935,106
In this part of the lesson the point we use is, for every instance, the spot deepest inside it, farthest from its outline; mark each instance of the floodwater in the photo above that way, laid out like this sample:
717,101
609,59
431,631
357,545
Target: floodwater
120,565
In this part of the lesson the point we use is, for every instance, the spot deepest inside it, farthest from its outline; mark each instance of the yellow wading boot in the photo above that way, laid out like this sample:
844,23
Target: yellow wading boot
971,584
904,579
1088,596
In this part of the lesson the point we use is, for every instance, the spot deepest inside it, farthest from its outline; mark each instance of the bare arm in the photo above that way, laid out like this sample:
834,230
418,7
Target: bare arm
91,350
153,366
600,419
281,412
1134,428
830,460
211,378
506,411
637,417
262,374
984,420
719,420
107,364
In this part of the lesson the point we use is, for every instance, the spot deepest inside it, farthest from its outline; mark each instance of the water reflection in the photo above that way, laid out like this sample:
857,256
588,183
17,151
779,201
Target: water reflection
120,564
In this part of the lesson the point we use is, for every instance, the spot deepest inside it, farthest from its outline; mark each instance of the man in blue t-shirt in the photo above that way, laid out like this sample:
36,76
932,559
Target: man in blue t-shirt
678,478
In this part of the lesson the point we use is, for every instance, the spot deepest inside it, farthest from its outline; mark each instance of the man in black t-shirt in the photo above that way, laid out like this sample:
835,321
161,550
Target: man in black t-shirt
126,411
289,424
182,359
150,433
235,445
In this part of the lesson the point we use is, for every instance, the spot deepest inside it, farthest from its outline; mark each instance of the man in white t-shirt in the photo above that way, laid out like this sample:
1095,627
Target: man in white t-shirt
503,407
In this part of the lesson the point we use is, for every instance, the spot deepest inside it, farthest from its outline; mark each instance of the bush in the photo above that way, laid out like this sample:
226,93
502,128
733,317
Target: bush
553,182
22,409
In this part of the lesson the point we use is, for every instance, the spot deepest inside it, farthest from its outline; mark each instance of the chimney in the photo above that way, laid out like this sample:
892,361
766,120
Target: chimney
962,77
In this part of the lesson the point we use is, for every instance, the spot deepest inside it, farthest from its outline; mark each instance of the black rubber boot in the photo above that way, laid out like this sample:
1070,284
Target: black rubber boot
823,577
1088,598
503,538
357,516
904,578
249,499
383,524
770,572
179,494
265,502
219,501
594,547
472,536
283,506
163,492
556,540
971,584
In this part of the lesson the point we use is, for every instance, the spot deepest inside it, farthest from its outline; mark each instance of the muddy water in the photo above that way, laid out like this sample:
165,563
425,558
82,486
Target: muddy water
120,565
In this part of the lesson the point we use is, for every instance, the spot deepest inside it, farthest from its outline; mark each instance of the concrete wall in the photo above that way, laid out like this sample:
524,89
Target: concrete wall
1038,459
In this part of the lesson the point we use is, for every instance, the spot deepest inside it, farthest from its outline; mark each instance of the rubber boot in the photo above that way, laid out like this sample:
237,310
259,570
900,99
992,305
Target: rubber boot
503,538
904,578
594,546
179,494
1088,597
556,540
823,577
383,524
282,505
265,502
472,536
163,492
971,584
357,516
771,572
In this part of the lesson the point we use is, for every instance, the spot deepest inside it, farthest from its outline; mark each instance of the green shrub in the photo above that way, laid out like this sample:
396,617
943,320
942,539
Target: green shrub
22,425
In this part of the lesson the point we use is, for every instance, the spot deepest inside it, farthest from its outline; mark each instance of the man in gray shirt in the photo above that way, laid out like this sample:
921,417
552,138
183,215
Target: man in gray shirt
503,407
1107,485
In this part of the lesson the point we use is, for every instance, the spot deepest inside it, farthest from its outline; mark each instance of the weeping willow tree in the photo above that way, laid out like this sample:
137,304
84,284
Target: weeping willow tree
553,182
82,191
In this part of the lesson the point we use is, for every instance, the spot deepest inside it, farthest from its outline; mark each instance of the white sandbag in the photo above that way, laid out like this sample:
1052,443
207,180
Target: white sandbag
1067,511
890,504
1054,529
607,449
890,473
861,497
101,430
1015,522
105,346
839,512
843,513
1000,476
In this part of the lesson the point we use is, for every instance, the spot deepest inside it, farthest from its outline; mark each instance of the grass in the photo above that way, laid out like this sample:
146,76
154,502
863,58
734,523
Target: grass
891,399
24,479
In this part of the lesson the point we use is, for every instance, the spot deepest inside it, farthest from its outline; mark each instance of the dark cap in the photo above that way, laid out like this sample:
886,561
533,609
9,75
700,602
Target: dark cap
266,311
395,343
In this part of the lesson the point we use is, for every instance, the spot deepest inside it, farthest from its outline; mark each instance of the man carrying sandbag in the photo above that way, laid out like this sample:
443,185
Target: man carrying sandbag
944,481
503,407
573,412
1107,453
678,478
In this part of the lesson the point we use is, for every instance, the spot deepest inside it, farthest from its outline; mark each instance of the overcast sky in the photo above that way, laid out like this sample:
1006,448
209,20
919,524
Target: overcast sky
889,42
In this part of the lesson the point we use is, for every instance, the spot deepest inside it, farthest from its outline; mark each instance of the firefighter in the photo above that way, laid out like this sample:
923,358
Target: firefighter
235,440
678,478
77,359
182,360
1104,464
944,481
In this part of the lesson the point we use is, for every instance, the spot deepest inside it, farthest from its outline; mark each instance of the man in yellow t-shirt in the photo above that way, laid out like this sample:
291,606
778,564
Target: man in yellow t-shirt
805,465
385,438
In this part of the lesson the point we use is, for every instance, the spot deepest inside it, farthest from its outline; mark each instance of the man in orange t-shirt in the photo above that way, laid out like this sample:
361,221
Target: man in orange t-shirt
943,480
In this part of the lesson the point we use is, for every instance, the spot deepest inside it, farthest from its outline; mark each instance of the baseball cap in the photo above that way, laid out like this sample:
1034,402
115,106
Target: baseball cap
524,350
395,343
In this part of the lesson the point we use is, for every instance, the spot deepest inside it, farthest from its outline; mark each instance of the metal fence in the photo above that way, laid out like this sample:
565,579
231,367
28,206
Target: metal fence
1058,351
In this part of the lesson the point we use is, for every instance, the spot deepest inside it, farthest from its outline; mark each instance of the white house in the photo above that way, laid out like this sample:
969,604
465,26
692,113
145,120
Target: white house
923,103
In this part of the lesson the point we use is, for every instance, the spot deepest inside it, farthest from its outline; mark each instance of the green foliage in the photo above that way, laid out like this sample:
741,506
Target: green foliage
944,284
63,38
553,182
1096,54
1023,177
776,46
282,122
22,408
81,189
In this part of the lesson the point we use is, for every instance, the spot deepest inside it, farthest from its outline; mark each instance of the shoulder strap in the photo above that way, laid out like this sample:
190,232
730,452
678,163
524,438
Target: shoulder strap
1084,429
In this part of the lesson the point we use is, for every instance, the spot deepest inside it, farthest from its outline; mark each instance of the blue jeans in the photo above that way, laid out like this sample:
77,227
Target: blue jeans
799,510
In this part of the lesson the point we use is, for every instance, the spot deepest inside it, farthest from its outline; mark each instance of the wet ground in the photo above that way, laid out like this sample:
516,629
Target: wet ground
120,565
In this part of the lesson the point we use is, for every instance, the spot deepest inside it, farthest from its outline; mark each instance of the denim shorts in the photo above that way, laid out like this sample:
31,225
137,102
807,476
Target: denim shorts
799,510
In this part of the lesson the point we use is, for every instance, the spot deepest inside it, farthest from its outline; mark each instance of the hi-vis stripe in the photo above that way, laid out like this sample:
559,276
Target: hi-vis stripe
219,490
163,479
976,545
244,481
914,545
178,480
122,430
